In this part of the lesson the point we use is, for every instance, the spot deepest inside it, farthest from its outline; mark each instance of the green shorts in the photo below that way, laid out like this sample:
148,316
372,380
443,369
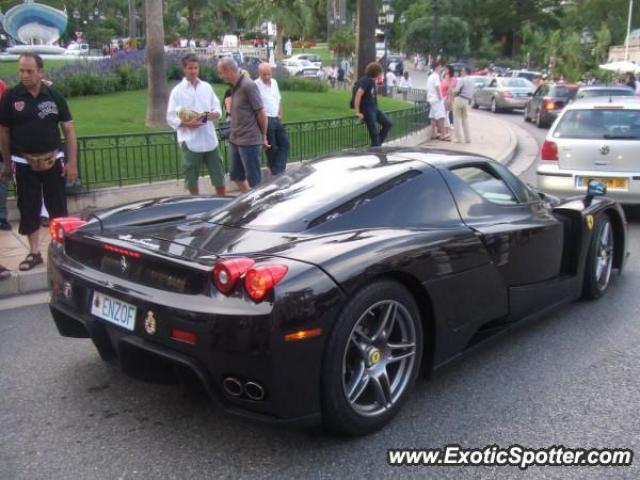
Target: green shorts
192,163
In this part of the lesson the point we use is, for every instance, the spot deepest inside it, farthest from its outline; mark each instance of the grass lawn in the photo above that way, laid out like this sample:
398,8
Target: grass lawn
124,112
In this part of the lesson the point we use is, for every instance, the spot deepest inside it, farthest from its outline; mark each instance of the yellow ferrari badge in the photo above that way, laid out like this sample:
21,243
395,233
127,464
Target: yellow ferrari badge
590,222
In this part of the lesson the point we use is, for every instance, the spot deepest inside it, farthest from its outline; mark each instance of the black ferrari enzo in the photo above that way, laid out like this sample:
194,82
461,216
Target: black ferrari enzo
321,295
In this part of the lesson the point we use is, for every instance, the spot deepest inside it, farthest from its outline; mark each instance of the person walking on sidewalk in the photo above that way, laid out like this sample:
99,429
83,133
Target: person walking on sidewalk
436,104
248,129
31,116
366,105
462,95
277,137
193,107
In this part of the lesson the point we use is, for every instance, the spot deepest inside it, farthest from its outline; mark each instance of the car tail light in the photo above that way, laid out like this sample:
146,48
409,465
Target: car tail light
507,95
59,227
548,104
226,273
260,281
549,151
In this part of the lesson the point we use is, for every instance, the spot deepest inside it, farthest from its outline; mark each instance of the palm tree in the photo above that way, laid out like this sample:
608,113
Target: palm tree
292,17
156,75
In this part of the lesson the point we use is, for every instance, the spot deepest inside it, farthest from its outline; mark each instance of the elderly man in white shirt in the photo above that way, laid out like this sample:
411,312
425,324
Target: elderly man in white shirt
192,108
278,153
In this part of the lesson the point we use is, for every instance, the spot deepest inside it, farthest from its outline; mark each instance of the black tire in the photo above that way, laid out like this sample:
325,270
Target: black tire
367,361
474,103
539,122
599,261
494,106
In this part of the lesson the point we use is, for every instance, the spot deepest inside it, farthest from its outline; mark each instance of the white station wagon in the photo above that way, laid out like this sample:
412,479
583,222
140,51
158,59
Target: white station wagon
594,138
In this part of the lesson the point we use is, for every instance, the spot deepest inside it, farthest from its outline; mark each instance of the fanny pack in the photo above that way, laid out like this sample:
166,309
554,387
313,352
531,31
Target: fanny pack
41,162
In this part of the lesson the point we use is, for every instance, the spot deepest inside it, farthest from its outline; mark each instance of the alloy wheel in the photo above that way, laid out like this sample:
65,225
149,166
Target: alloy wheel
379,358
604,256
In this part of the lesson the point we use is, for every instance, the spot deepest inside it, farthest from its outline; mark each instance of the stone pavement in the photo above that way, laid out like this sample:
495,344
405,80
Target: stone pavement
491,137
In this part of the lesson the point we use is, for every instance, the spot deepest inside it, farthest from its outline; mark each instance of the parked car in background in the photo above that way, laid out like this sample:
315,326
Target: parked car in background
480,80
604,91
547,102
594,138
503,93
528,74
301,68
310,57
77,49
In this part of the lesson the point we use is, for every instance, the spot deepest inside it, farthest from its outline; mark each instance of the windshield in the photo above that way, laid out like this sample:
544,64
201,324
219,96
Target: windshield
599,124
516,82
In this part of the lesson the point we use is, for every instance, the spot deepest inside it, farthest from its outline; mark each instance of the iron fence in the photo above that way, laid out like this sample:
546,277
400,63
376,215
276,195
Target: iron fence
117,160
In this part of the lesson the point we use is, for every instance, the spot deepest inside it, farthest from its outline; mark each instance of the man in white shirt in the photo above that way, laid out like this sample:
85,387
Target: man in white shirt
193,107
436,103
277,137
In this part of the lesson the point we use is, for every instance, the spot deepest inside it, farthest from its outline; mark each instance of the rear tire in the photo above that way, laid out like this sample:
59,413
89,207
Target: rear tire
494,106
372,359
474,103
599,261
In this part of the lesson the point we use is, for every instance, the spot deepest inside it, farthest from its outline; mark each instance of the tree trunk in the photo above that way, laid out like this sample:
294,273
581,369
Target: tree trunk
279,40
156,75
366,34
133,28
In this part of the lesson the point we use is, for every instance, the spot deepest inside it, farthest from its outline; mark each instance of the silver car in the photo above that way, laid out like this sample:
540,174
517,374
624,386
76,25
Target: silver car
594,138
503,93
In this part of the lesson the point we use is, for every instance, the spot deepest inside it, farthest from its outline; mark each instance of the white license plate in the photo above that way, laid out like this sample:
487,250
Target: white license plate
113,310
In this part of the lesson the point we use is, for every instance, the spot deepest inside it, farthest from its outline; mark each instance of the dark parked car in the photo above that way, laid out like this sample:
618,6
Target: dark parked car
604,91
321,295
547,102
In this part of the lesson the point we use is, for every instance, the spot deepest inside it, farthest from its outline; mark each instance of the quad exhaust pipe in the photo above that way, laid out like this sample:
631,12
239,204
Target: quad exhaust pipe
250,389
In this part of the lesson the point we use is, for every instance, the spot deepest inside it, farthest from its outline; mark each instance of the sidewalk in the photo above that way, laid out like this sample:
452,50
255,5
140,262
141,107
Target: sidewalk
491,137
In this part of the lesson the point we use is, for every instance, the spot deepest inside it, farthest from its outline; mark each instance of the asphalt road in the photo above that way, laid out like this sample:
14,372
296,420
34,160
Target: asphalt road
570,378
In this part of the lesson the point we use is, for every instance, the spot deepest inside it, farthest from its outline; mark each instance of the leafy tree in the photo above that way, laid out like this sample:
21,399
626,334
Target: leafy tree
343,42
292,17
452,36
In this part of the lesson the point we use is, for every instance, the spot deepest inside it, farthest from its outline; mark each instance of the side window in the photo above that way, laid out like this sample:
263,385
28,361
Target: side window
493,83
487,184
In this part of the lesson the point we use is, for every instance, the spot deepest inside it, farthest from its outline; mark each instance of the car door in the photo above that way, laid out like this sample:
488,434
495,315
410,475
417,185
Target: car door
487,93
522,237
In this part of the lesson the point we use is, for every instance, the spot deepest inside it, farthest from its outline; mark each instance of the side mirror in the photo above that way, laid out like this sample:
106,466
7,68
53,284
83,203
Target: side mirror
595,188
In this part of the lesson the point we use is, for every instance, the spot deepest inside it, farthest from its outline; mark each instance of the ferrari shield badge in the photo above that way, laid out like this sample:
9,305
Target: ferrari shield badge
590,222
150,323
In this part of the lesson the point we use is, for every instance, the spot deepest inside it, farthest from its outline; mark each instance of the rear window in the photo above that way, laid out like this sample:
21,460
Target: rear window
599,124
563,92
605,92
515,82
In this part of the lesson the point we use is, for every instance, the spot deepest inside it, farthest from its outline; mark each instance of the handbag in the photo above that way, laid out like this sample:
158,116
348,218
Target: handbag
224,129
41,162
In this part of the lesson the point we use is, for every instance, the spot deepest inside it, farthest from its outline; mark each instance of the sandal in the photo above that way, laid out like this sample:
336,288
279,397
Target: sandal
32,260
4,272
